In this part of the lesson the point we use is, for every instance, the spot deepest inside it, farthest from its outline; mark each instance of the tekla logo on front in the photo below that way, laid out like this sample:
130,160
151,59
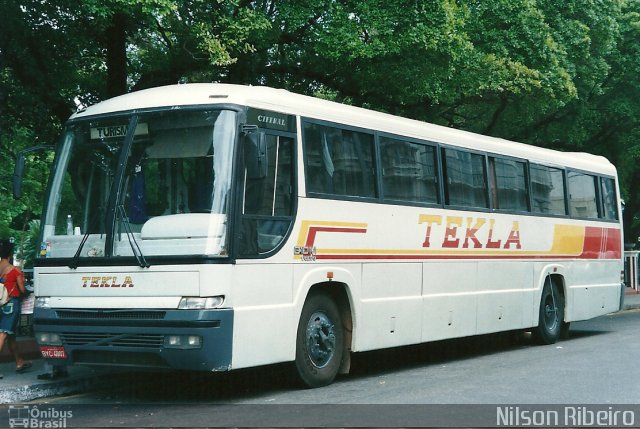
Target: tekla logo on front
107,281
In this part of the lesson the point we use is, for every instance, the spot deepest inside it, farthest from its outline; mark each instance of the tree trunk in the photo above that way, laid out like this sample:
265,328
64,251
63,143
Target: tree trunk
117,56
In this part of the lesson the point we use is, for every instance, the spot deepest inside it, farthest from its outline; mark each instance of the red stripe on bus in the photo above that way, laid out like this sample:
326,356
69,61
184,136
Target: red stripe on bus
311,236
550,257
601,243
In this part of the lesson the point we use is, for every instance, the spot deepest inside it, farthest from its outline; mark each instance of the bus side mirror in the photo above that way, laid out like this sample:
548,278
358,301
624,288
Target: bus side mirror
255,154
18,172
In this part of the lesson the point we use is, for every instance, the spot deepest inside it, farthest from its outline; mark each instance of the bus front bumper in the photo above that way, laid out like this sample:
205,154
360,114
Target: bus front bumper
181,339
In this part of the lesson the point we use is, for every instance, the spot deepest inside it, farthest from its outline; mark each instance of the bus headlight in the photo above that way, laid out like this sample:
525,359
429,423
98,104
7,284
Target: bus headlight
48,339
198,303
43,302
183,342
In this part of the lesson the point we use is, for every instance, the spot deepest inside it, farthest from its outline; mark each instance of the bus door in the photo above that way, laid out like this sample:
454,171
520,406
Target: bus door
267,199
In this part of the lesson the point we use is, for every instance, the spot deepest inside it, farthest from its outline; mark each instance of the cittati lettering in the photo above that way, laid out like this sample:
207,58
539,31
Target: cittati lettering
272,120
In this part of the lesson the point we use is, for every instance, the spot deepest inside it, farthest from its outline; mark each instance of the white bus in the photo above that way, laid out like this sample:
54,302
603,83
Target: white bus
214,227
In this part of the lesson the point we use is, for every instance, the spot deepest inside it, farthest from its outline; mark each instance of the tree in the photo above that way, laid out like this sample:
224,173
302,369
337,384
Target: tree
55,53
554,74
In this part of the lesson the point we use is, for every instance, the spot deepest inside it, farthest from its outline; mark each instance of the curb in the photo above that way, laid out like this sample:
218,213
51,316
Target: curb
65,386
37,391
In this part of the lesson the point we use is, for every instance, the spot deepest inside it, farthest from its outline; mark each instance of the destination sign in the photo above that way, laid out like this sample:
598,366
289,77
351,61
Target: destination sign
115,131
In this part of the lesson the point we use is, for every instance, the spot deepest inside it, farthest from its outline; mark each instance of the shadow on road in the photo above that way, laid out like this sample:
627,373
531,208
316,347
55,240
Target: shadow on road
407,357
389,360
578,334
172,386
186,386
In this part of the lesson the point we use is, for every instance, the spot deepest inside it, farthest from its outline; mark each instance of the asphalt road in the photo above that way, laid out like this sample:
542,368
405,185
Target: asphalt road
598,364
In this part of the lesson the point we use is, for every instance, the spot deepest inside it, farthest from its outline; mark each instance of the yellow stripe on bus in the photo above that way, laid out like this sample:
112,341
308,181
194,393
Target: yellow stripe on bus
567,240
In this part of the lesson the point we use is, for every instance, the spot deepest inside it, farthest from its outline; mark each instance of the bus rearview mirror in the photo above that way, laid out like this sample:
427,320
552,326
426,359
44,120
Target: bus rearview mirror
255,155
18,172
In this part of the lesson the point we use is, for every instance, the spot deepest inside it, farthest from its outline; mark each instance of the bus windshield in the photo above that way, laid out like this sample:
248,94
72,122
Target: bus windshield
168,195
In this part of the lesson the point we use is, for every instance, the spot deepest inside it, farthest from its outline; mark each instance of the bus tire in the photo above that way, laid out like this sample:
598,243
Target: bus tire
551,315
319,341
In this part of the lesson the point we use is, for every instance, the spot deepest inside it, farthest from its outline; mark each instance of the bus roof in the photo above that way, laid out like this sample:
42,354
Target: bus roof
283,101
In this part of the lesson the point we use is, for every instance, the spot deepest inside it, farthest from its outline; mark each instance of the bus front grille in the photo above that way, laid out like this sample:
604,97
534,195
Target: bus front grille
113,340
111,314
92,357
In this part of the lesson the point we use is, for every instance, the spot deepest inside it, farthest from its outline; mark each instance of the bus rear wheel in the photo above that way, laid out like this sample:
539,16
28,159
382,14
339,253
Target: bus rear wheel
551,316
319,341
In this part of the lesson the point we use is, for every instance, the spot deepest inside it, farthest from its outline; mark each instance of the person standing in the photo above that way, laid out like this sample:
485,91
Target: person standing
13,280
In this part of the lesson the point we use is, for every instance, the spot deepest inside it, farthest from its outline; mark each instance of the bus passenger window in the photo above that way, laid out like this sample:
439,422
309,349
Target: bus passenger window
582,195
547,190
339,162
509,184
465,179
609,201
408,171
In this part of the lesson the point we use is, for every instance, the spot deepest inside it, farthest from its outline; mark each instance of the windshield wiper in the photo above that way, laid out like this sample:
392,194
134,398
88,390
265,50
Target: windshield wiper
132,239
74,261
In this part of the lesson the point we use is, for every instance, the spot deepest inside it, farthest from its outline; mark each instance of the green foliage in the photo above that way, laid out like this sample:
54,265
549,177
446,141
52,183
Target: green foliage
550,73
30,244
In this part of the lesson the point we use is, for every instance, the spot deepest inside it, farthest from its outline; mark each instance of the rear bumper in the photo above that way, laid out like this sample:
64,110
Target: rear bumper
136,337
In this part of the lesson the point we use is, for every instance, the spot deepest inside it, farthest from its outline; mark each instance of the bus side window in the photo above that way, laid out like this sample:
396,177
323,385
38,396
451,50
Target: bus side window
582,195
466,184
609,201
408,171
508,181
547,190
339,162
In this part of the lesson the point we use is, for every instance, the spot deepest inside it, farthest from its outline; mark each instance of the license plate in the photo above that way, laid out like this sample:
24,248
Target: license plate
53,352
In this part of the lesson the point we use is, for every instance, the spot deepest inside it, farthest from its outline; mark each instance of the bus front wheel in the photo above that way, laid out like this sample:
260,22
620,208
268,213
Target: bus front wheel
551,323
319,341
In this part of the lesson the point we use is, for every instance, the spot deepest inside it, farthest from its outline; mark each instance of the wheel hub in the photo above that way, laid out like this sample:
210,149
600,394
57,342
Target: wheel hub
321,339
551,315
